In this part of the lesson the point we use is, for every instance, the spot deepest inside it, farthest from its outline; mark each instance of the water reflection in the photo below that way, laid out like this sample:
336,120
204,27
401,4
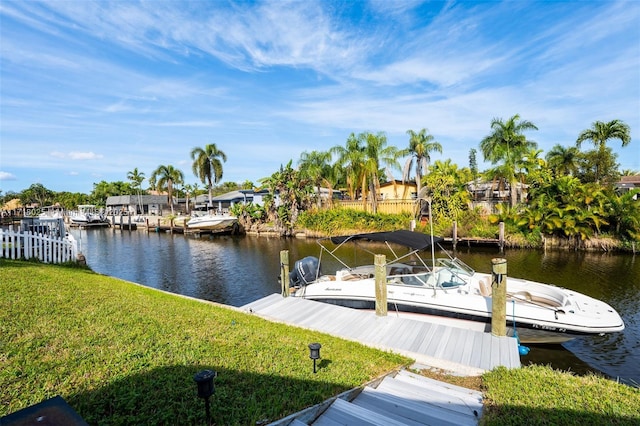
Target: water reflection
237,270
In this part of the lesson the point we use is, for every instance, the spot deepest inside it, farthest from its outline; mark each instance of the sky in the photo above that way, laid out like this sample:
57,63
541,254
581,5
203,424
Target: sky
91,90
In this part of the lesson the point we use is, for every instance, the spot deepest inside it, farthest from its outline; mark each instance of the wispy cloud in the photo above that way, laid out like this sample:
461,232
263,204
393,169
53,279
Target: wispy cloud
6,176
109,86
75,155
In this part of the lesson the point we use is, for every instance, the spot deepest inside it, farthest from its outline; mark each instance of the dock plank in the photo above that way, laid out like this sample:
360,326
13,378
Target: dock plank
426,342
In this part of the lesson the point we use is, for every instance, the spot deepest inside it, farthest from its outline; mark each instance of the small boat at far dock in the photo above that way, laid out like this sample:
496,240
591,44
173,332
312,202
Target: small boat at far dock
211,221
88,214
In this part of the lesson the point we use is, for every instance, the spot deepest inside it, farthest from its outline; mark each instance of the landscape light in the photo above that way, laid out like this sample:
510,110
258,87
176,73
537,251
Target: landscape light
314,353
204,380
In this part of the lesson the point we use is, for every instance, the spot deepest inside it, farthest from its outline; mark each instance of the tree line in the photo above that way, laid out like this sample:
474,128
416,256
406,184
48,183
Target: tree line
571,192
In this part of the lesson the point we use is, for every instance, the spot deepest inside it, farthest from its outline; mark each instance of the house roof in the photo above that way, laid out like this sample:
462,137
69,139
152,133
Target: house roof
630,179
235,196
398,182
125,200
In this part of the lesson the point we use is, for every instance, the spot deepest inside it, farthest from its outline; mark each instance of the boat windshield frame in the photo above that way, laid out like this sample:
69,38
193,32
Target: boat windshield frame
416,241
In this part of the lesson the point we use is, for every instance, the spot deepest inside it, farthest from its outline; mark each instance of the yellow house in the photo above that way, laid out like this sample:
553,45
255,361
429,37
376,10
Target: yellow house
398,190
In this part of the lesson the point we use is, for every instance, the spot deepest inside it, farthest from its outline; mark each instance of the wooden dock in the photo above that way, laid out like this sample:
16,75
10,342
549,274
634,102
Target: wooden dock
457,350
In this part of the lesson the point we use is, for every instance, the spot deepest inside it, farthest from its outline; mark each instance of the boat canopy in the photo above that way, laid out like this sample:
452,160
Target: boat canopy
414,240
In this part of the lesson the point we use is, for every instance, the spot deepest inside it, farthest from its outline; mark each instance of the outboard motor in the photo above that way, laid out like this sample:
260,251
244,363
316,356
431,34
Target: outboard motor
304,271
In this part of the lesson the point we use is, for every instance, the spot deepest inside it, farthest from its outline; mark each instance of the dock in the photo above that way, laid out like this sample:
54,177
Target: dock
456,350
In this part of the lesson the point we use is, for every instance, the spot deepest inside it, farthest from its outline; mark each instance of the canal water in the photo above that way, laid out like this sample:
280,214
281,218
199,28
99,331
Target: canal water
236,270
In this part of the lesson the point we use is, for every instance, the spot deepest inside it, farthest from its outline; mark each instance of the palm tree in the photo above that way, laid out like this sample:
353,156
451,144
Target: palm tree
378,154
600,133
315,166
136,179
207,165
420,145
351,159
563,160
507,144
165,177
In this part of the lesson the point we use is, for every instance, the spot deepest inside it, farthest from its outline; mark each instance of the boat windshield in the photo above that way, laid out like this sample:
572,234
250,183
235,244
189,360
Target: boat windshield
456,266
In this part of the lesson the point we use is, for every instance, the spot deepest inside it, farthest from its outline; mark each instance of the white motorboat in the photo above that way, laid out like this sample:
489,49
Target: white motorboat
87,214
449,291
51,212
211,221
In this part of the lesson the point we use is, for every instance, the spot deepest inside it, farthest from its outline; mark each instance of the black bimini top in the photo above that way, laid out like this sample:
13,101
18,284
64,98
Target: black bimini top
414,240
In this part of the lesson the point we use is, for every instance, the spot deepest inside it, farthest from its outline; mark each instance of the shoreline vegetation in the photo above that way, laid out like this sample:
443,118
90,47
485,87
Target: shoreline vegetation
324,223
121,353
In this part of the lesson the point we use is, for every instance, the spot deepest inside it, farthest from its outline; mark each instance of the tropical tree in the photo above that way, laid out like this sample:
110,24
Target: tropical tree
189,191
207,165
136,179
103,189
563,160
377,154
351,159
507,144
601,132
473,163
421,144
315,166
447,191
165,177
624,214
289,193
37,194
598,166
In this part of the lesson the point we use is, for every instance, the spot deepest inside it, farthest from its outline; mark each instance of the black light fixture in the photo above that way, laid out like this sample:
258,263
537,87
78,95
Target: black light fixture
314,353
204,380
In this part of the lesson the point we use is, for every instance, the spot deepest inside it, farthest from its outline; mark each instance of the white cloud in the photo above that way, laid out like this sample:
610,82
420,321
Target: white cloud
84,156
7,176
76,155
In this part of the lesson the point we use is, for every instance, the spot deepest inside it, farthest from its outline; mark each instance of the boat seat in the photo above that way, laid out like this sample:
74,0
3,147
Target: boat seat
399,271
485,287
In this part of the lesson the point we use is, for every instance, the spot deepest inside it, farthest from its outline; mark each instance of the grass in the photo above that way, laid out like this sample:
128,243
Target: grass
538,395
119,353
123,354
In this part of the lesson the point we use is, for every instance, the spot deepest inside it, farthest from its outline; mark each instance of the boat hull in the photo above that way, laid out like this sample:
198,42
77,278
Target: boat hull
211,222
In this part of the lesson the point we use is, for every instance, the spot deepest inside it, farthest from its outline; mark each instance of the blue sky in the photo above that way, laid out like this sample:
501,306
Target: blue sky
91,90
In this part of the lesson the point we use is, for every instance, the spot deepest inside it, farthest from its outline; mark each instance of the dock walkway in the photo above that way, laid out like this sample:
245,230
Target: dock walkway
457,350
399,399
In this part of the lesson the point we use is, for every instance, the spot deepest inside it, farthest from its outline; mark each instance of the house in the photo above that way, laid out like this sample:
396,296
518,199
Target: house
398,190
627,183
488,195
139,204
224,202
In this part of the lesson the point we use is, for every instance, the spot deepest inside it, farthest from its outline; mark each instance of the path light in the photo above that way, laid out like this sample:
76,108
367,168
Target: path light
314,353
204,380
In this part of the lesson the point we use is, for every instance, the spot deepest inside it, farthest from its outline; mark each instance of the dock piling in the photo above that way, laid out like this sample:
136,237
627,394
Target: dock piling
380,261
284,272
499,297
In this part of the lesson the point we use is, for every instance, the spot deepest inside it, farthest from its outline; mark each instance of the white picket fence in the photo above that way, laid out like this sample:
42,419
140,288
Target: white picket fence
29,245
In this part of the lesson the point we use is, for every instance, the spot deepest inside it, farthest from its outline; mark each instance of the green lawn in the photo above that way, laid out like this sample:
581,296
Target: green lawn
120,353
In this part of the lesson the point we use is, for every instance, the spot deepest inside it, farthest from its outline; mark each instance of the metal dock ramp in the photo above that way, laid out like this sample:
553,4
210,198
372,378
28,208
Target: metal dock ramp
453,349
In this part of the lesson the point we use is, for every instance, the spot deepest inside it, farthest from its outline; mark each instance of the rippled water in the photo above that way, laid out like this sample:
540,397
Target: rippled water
238,270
